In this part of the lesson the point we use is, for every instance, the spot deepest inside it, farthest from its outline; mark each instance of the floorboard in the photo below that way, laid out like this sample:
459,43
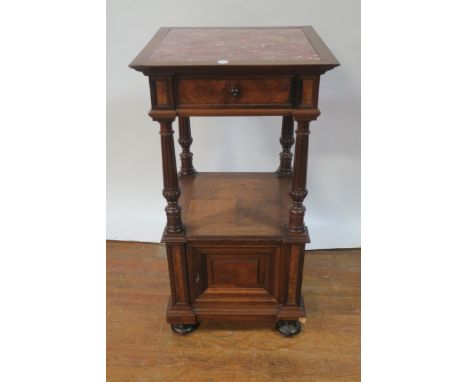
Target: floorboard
142,348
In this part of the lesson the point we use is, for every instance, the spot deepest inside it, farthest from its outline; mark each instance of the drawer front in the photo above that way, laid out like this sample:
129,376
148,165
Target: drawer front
234,91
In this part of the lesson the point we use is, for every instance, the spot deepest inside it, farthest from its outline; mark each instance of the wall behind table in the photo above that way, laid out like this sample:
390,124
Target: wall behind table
135,206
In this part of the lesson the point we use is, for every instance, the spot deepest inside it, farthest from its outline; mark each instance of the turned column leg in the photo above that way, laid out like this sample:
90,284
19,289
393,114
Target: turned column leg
171,189
286,140
299,177
185,140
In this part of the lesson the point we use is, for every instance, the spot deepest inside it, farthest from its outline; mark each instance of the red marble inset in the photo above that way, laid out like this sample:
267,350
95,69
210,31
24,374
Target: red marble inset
234,44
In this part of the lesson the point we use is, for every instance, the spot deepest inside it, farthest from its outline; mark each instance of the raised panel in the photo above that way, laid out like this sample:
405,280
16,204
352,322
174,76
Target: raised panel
236,271
228,272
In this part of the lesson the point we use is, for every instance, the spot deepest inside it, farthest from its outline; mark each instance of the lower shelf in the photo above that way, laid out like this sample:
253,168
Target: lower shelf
236,206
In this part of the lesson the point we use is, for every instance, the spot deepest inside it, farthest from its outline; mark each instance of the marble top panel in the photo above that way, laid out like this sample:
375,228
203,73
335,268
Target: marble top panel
231,45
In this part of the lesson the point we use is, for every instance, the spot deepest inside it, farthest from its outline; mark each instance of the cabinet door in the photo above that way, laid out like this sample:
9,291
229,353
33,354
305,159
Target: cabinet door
229,272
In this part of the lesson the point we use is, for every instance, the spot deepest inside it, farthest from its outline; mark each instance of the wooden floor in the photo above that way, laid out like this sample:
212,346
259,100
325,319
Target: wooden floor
142,348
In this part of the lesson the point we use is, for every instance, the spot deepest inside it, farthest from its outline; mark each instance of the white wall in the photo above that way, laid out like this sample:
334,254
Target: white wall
135,206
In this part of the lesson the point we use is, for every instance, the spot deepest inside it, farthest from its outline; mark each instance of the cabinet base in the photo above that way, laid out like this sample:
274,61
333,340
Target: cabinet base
243,280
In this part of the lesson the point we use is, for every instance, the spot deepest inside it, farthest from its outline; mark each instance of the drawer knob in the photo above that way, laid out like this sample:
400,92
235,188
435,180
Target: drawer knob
235,92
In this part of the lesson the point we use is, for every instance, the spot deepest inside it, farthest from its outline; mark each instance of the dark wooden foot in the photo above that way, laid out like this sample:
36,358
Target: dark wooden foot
183,329
288,328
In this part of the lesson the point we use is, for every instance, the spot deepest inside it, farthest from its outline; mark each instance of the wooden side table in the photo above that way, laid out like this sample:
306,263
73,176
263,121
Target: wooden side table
235,241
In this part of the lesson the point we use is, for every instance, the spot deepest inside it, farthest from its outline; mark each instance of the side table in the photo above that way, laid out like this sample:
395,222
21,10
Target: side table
235,241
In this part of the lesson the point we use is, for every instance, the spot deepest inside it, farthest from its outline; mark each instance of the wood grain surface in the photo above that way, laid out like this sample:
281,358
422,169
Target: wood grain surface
218,91
142,348
234,205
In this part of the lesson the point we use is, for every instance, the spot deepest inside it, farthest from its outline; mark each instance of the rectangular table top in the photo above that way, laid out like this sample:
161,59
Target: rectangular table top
229,46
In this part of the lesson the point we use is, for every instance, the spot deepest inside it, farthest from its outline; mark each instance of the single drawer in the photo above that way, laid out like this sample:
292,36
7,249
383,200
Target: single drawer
234,91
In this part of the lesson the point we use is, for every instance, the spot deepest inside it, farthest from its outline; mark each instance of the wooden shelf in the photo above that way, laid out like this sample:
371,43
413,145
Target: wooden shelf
234,206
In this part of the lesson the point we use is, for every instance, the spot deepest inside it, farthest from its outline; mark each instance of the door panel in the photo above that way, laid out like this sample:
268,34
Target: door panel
233,271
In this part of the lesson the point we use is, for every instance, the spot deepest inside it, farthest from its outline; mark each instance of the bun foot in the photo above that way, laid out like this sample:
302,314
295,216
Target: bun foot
183,329
288,328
